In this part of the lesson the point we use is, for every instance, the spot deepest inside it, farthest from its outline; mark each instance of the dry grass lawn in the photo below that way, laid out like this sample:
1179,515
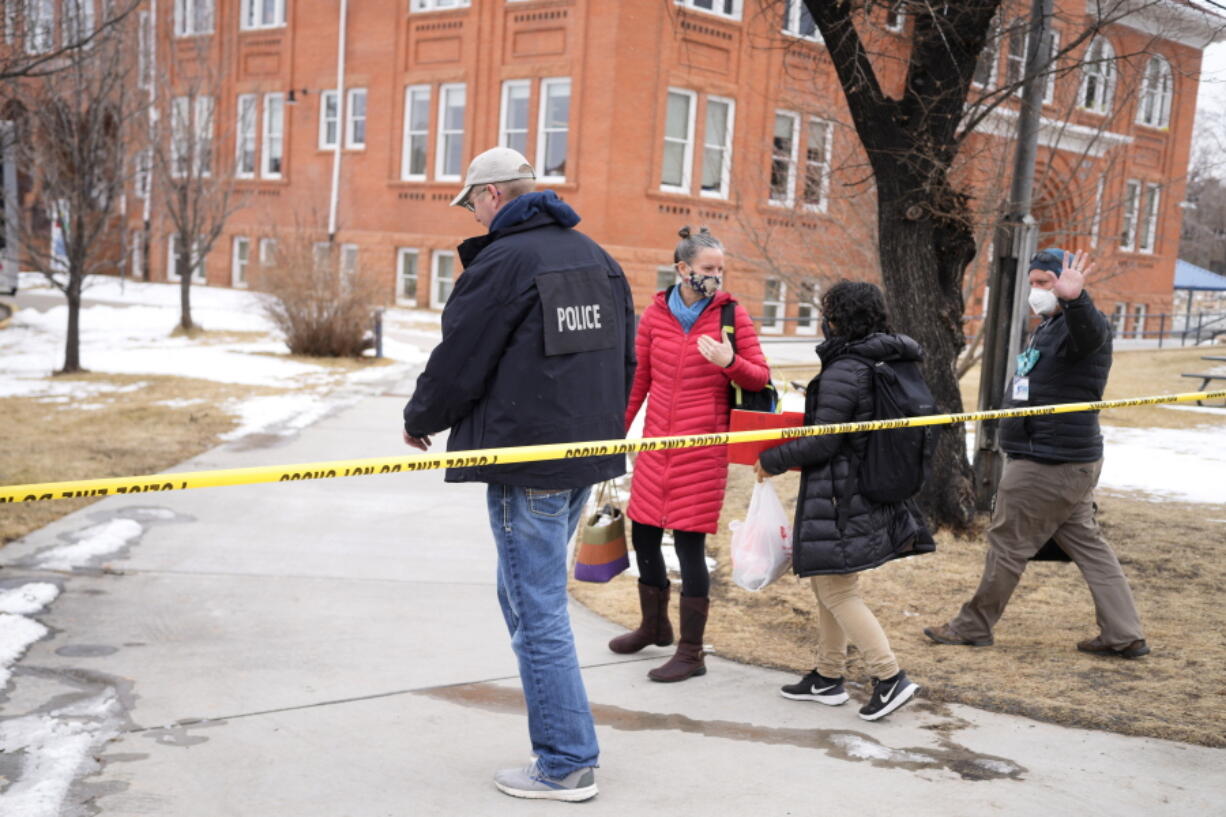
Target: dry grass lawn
1170,551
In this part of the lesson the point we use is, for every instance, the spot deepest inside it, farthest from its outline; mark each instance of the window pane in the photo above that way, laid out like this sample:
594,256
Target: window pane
674,164
517,107
678,124
712,169
717,123
555,154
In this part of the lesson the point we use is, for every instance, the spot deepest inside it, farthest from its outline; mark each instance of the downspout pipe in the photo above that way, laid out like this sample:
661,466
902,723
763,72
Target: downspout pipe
334,197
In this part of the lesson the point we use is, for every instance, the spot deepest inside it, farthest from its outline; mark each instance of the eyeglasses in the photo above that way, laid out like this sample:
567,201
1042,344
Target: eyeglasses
471,204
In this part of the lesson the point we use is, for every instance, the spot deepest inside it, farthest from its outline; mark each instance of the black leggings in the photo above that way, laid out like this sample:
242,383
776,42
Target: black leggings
691,552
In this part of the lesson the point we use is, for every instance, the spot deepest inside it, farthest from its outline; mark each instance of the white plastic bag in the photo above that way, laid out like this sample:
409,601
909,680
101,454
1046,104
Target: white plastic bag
762,544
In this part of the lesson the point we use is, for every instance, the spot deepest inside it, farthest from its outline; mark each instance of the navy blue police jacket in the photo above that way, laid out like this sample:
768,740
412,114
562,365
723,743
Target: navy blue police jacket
538,347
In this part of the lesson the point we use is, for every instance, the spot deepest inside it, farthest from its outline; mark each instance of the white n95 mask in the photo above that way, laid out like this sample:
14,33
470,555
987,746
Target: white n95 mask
1043,301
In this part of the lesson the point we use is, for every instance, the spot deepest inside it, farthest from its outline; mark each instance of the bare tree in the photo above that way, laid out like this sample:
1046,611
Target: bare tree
31,47
71,129
192,181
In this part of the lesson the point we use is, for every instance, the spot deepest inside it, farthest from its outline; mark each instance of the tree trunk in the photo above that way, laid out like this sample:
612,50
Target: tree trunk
72,339
929,308
183,262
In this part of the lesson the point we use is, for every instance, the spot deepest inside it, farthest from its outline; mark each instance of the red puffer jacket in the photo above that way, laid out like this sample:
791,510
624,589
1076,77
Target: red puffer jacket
683,489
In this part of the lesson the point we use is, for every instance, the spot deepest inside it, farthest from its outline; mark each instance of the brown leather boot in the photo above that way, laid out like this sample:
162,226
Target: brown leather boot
687,661
654,628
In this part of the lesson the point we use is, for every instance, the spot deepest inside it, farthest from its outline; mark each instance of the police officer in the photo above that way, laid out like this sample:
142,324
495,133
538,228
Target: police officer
538,347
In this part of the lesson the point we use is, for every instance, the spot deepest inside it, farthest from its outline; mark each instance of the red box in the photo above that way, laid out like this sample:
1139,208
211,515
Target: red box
747,453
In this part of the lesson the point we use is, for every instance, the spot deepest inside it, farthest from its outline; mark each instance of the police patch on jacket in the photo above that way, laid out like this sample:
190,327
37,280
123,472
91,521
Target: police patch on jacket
577,307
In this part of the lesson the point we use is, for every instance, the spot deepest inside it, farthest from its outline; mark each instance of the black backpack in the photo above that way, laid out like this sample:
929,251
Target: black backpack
765,400
897,462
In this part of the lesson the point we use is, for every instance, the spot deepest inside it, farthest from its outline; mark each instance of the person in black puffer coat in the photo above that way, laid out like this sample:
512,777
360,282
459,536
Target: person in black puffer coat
1046,490
838,532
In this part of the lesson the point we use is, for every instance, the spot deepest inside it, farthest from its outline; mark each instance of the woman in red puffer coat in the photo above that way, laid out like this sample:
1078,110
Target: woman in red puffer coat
685,363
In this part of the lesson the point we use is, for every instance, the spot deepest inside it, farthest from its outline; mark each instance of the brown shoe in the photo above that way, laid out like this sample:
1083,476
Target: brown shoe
687,661
944,634
653,627
1096,646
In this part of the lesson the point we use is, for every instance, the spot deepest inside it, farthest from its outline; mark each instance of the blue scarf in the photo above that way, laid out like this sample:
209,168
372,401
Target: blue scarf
522,208
685,314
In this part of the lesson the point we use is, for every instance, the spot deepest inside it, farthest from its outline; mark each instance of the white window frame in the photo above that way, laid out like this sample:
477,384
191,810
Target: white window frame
271,140
1049,82
1103,70
77,26
725,149
1017,62
734,14
666,276
1119,317
144,49
410,134
197,261
187,14
1132,207
352,119
790,199
437,5
326,98
253,9
991,54
822,206
435,258
543,130
240,246
1138,321
440,145
402,253
136,254
39,25
202,140
504,125
268,252
1096,221
142,174
775,327
180,136
348,262
807,326
244,134
1147,217
1157,91
687,154
895,19
791,22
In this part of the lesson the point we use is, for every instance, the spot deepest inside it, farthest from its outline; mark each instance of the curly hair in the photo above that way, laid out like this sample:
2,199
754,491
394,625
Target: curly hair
856,308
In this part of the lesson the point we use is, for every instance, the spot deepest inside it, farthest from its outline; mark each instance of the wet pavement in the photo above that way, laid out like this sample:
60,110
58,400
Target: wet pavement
335,648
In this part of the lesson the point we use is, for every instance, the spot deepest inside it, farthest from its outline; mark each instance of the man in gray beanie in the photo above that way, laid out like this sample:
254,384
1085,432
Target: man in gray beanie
1053,462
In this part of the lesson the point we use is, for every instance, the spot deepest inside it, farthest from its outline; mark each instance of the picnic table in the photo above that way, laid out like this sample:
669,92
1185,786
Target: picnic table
1205,377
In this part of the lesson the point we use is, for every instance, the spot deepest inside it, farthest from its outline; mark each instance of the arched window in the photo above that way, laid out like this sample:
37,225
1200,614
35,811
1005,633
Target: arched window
1097,77
1154,108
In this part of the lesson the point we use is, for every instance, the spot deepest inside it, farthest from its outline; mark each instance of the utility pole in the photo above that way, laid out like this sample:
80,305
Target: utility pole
1014,243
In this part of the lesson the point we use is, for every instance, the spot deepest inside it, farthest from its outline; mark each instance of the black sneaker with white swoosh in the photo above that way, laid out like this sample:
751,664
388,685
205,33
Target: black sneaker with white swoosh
816,687
888,695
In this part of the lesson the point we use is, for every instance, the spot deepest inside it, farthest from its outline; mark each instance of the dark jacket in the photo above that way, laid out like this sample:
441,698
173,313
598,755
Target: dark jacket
1074,347
870,534
538,347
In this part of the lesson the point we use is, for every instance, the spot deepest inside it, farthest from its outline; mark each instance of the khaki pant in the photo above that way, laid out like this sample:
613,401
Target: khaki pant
1036,502
843,616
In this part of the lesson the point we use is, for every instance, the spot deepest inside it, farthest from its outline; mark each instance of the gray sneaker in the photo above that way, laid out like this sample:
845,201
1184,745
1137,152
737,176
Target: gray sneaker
531,783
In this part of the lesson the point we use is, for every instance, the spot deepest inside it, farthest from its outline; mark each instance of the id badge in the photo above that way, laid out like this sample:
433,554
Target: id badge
1021,388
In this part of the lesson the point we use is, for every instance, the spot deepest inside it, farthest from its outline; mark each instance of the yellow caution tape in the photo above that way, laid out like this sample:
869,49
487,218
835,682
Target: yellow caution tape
527,453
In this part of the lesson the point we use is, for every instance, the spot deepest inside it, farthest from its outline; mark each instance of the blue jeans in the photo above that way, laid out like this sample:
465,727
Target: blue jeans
531,529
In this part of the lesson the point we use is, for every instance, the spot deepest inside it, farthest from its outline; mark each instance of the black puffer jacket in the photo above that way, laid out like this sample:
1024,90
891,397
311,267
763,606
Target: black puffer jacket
871,534
1074,349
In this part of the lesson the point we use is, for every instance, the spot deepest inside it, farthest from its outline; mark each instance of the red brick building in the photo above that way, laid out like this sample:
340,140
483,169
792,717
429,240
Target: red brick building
647,115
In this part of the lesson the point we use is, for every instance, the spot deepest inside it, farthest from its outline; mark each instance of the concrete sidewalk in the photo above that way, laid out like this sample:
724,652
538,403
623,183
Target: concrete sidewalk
334,648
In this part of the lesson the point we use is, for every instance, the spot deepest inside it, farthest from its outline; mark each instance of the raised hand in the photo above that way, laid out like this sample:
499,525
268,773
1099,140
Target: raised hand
1072,280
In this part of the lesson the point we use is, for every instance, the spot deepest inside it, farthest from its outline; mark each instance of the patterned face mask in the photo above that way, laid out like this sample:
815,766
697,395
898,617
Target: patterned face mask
705,285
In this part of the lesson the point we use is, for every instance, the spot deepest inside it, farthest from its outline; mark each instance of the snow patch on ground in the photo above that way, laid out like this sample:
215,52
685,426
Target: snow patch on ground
28,599
17,633
57,748
1181,464
864,749
93,543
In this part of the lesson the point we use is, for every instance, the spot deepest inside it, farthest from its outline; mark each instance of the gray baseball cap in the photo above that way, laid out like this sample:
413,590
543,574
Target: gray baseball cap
495,165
